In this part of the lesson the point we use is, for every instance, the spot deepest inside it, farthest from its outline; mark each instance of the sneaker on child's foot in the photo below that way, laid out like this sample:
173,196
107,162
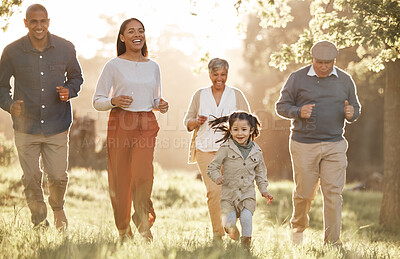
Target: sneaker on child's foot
246,242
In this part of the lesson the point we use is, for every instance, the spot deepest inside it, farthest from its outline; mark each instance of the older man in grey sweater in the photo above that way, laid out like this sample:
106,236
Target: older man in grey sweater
319,99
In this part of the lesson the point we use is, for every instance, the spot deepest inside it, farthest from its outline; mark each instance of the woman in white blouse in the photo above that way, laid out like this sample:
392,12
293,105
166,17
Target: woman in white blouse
208,103
130,85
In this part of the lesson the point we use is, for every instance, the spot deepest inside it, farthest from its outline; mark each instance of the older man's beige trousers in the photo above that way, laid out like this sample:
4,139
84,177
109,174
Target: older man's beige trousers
317,164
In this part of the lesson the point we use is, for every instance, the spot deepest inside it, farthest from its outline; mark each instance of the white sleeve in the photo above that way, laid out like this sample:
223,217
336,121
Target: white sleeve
101,97
157,89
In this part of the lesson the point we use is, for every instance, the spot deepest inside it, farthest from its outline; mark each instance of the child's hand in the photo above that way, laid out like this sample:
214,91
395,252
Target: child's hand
268,196
220,180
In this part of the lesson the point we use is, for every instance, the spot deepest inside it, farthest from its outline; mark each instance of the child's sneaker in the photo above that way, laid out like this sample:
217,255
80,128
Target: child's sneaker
246,242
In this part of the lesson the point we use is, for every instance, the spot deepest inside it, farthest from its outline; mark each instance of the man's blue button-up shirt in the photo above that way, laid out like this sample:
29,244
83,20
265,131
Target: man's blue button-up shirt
36,75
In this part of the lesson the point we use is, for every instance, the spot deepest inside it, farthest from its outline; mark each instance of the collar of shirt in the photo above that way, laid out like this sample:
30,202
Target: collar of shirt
311,72
27,45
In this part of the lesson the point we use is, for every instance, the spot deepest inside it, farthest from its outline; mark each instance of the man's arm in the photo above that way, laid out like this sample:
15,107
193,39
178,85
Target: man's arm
286,105
6,73
74,75
353,101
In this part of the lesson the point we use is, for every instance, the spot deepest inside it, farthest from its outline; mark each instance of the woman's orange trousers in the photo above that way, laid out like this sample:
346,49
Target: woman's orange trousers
131,138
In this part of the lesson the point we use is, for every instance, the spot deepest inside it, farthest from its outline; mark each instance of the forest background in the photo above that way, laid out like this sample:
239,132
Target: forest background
183,72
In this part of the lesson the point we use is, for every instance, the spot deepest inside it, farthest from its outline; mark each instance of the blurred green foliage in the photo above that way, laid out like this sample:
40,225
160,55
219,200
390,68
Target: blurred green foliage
7,9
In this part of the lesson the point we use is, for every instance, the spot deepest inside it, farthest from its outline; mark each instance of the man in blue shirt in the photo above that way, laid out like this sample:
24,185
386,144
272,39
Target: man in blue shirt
319,98
46,76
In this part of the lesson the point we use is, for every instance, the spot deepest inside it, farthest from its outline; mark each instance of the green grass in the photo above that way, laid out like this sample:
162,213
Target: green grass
182,228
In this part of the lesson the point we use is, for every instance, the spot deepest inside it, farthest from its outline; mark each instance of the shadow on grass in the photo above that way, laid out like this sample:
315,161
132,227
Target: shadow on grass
70,249
111,250
215,251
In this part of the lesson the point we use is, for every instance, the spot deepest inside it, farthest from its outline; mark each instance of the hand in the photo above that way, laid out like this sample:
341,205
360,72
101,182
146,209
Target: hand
16,108
348,110
163,106
122,101
196,122
63,93
201,119
268,196
306,111
220,180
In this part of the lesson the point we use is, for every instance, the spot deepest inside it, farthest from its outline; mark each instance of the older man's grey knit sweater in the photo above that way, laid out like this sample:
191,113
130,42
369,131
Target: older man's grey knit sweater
329,94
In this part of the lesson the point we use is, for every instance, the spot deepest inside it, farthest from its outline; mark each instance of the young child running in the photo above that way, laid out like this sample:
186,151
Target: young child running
243,163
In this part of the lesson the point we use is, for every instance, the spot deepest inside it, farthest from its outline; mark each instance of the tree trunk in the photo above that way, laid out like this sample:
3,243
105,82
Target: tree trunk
390,208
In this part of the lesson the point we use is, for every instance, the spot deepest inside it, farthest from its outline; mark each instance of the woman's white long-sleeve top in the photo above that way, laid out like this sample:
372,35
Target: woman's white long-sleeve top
141,80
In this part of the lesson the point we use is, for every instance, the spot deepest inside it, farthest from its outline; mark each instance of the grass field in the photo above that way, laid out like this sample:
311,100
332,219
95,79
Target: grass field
182,228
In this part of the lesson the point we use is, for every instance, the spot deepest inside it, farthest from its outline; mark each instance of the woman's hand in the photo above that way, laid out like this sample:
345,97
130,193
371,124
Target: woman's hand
201,119
163,106
220,180
196,122
122,101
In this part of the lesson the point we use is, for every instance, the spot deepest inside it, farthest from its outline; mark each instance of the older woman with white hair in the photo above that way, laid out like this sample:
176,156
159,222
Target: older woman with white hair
207,103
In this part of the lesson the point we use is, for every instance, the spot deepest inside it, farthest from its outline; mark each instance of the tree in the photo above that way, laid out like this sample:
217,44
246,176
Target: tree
372,27
7,8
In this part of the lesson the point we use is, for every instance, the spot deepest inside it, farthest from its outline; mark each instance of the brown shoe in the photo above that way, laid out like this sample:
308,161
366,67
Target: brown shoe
44,225
246,242
233,233
60,220
126,234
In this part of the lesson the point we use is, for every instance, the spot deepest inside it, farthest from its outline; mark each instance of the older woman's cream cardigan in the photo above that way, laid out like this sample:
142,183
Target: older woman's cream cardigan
193,112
